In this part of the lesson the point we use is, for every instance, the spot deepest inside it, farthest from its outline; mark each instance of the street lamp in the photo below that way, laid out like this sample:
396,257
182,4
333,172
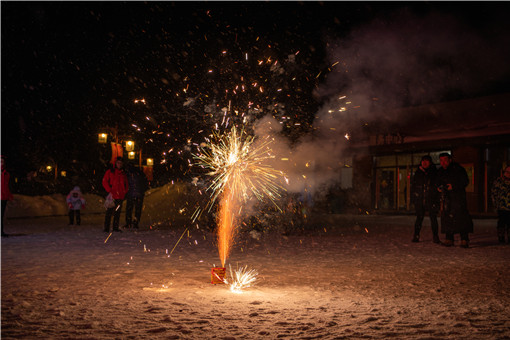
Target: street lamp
102,137
130,145
131,155
150,162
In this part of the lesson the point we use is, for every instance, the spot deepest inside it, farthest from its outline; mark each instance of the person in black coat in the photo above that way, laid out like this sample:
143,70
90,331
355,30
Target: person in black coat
137,186
425,197
451,182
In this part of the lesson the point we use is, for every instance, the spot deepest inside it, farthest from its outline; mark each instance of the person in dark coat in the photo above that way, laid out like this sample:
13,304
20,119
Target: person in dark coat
6,193
135,195
425,197
115,183
500,194
451,182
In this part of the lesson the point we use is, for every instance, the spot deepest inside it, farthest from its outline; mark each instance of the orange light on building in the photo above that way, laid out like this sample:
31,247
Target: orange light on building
150,162
131,155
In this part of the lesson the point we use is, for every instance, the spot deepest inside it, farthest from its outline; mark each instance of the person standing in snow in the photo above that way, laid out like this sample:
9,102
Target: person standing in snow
425,197
75,202
115,183
452,180
500,194
137,186
6,194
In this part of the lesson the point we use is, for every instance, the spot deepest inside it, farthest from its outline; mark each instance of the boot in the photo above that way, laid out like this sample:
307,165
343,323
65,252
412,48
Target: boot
436,239
416,237
448,243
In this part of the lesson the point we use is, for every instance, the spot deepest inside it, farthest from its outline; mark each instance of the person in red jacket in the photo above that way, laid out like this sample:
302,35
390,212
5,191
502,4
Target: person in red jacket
6,193
116,184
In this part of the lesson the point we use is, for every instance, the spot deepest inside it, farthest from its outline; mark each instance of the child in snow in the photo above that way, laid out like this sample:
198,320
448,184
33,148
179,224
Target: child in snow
75,202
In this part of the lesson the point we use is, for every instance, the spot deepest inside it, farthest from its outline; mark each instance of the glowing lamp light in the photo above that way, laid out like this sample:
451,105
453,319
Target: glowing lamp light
130,145
131,155
48,168
63,173
102,138
150,162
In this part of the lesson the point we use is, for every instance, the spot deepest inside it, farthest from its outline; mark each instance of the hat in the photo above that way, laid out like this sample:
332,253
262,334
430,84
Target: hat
76,189
426,158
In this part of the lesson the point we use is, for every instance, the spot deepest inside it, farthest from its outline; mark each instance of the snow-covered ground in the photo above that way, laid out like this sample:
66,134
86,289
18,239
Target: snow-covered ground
350,277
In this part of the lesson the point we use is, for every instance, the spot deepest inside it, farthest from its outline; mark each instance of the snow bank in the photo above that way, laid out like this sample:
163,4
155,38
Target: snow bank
167,203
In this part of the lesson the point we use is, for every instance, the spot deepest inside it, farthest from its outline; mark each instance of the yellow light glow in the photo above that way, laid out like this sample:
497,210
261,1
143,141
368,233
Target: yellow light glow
130,145
131,155
102,137
150,162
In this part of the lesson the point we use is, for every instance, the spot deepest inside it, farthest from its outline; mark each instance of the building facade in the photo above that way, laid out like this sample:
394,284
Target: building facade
476,132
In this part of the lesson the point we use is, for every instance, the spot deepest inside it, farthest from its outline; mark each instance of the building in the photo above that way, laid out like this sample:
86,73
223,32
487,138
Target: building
475,131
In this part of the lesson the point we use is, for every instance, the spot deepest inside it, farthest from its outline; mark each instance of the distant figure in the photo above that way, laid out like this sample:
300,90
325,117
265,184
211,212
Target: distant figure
137,186
75,202
425,197
451,182
115,182
500,194
6,194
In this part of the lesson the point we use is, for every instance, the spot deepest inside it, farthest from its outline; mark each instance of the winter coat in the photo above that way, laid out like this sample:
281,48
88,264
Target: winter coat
115,182
137,183
455,217
500,193
75,200
6,192
423,192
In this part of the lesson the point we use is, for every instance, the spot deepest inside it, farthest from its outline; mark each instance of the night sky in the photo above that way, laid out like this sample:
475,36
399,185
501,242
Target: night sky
71,68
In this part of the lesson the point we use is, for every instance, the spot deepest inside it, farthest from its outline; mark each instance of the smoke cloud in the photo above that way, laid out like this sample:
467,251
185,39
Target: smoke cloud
398,61
405,60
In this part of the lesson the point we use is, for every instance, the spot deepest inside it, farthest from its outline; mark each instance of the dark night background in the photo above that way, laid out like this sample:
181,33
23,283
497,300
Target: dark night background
71,68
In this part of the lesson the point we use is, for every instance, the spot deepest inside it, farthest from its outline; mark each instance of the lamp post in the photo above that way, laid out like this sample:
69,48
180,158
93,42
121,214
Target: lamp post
117,149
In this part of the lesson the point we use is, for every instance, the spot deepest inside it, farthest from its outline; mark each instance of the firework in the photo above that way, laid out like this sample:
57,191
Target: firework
238,172
242,278
237,166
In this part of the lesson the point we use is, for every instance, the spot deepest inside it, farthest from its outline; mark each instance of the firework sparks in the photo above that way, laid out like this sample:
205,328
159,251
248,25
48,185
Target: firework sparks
242,278
238,172
237,165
